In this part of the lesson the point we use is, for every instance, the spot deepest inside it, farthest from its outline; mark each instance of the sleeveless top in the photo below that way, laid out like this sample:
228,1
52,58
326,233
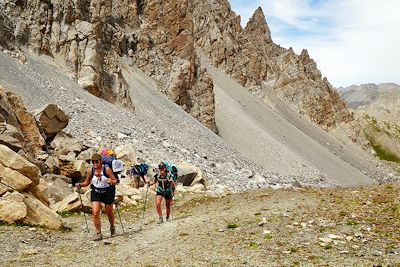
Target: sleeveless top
100,182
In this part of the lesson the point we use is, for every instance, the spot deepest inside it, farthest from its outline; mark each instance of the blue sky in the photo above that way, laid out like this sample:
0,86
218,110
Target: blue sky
352,41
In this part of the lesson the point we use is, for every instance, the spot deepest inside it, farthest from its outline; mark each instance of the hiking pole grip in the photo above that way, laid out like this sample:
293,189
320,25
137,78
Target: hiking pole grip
84,215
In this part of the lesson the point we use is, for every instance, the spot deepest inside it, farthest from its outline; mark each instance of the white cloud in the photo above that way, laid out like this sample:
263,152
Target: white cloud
352,41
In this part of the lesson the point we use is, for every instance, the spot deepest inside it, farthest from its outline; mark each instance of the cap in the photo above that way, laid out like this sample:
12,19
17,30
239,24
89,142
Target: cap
96,157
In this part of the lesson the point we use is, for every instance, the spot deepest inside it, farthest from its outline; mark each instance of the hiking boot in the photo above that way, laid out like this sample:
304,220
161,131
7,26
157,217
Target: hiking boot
167,219
98,237
112,230
160,221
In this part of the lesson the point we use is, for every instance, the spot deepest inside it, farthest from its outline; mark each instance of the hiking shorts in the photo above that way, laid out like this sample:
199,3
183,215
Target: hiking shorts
166,195
103,195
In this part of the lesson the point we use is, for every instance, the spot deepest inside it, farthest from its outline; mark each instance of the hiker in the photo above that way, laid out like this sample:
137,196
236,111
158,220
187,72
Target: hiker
138,172
165,189
102,182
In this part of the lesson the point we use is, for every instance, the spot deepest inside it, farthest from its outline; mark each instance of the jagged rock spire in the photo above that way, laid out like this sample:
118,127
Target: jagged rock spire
258,24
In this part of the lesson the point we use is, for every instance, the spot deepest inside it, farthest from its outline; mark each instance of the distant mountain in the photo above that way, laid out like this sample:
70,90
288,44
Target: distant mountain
364,94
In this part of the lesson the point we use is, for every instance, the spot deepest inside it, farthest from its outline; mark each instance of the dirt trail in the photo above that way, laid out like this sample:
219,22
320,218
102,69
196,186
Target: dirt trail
346,227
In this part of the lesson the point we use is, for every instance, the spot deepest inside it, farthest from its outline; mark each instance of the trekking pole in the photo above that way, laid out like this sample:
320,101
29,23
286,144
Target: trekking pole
119,216
84,215
145,200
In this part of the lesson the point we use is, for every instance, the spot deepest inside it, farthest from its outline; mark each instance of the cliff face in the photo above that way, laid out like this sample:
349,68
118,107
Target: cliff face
250,56
91,36
162,38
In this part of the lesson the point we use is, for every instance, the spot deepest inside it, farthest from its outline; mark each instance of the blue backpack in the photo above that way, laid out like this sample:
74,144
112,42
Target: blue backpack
140,169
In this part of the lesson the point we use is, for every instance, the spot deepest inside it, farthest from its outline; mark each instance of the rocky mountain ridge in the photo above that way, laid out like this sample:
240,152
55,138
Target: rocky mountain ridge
161,38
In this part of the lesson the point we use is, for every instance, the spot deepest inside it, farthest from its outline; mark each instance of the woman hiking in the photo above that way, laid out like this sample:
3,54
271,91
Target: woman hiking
165,189
102,182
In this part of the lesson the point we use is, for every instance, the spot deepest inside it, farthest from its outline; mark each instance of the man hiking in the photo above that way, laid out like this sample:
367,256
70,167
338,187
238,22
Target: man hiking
102,182
165,189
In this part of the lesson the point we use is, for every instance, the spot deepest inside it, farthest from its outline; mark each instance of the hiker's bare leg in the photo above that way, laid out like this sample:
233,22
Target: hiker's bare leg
158,205
168,206
110,214
96,207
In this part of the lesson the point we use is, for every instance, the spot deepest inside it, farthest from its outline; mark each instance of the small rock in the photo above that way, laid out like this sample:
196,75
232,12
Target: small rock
377,253
325,240
344,252
221,230
267,232
349,238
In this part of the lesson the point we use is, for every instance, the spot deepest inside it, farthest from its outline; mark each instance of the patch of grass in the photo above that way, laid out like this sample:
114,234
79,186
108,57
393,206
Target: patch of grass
351,222
267,237
232,226
2,223
254,245
258,214
293,250
342,213
384,154
328,246
389,187
183,234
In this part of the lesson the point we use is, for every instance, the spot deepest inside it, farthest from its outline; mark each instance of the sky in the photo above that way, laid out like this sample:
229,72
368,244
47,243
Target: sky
352,41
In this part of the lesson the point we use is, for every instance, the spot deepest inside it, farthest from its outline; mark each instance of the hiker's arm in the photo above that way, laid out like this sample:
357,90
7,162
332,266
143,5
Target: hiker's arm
154,180
112,180
86,182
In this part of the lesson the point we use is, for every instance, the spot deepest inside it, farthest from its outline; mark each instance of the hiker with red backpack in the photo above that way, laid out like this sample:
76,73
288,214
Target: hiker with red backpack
165,189
102,182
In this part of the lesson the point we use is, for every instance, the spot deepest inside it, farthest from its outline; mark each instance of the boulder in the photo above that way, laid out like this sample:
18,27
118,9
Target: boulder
51,163
12,207
51,118
26,123
87,154
14,179
58,190
40,192
69,204
39,214
64,141
10,142
16,162
70,170
189,175
127,154
4,189
197,188
68,157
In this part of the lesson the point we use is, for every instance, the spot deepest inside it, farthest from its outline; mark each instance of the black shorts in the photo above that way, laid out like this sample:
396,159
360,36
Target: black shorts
103,195
166,195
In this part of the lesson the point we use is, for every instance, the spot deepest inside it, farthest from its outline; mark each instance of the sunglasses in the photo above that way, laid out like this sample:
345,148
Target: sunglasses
95,161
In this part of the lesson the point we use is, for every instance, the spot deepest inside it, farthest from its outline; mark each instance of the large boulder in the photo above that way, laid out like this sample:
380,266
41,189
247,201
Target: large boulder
189,175
57,190
65,142
51,118
39,214
14,179
10,142
14,161
4,189
127,154
12,207
26,123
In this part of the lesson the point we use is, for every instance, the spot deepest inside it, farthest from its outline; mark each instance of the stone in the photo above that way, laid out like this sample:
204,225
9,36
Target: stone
10,142
51,118
127,154
325,240
12,160
4,189
40,192
197,188
189,175
64,141
14,179
12,208
58,189
26,123
40,215
69,204
69,157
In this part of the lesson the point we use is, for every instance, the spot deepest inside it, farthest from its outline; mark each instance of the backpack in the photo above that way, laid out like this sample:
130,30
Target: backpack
140,169
172,170
117,166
